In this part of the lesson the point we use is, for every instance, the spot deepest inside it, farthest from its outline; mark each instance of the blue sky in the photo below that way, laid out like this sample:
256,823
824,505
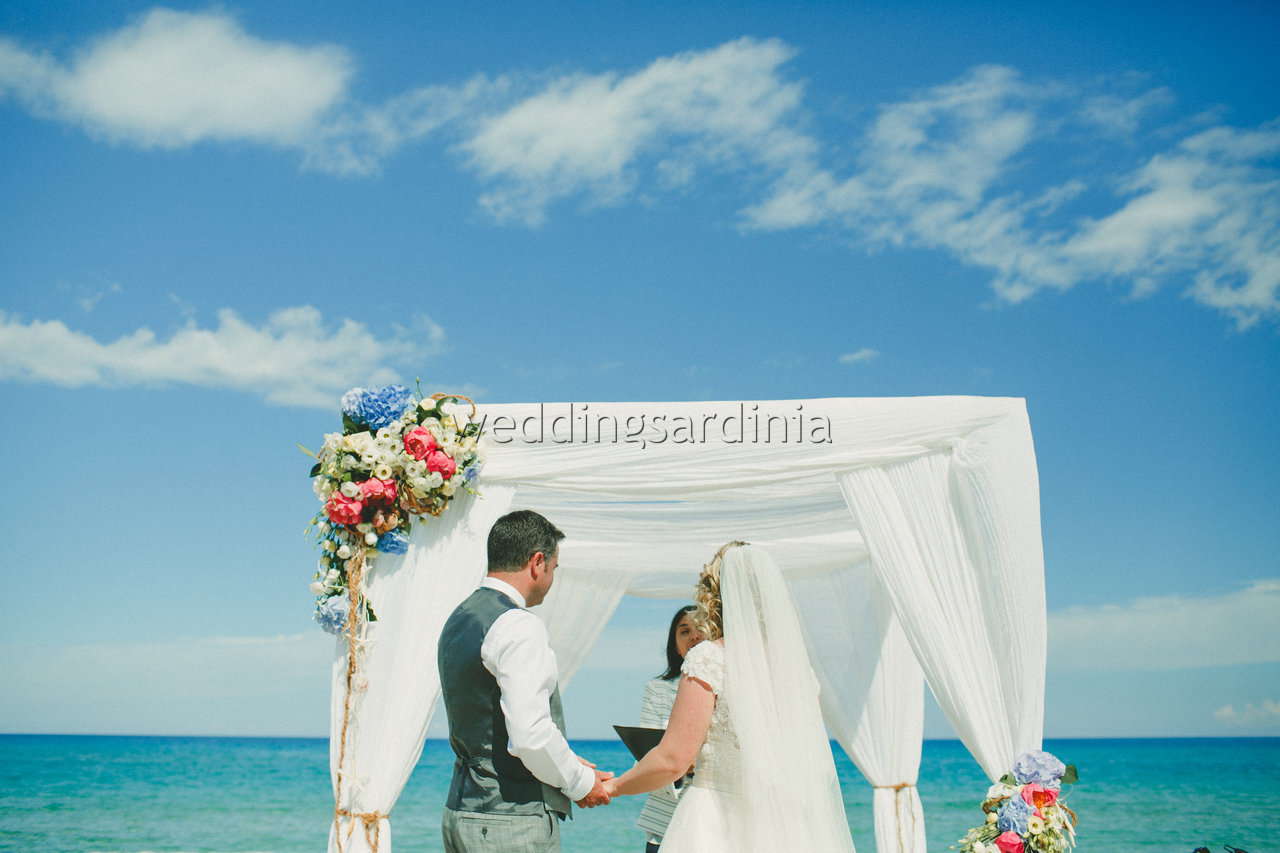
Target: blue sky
218,218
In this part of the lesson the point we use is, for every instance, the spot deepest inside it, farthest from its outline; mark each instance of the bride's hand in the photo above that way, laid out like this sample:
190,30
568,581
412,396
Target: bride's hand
611,788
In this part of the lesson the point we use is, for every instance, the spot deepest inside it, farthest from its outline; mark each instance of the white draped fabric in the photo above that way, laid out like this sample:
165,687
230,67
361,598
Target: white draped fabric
906,528
974,614
872,693
412,595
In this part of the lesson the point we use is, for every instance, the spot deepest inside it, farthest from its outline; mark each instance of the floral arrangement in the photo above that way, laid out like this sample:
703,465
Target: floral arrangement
397,457
1025,811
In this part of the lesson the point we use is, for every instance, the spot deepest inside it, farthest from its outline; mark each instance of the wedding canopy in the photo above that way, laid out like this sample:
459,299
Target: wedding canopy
908,530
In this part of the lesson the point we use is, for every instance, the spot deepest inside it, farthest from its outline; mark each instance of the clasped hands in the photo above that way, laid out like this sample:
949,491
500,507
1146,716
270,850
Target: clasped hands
597,796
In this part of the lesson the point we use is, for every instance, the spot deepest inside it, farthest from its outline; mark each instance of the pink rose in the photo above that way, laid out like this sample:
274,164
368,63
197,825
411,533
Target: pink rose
1009,842
419,442
1038,795
343,510
377,491
442,463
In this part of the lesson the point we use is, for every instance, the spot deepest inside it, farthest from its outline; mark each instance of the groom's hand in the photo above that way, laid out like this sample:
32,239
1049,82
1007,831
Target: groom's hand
597,796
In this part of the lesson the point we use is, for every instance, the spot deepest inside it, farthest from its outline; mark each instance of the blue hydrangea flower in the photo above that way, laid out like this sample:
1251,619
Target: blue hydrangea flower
1038,766
1013,815
331,613
375,407
393,542
471,473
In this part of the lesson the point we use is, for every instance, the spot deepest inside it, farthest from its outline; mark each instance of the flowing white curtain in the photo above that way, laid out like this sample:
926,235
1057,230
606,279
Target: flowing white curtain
576,611
971,604
412,595
872,693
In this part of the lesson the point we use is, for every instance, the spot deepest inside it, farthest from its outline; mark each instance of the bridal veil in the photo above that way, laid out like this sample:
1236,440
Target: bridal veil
789,775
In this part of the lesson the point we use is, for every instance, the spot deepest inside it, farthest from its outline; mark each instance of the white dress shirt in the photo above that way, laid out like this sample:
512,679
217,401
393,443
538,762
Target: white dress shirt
518,654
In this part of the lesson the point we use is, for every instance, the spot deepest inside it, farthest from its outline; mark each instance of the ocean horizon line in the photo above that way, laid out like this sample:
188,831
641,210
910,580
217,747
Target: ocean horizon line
607,739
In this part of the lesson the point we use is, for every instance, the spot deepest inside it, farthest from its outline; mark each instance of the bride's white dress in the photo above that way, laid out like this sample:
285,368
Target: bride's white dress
765,780
710,816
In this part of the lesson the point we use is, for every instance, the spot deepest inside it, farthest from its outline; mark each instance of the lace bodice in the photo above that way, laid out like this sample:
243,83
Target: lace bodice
719,763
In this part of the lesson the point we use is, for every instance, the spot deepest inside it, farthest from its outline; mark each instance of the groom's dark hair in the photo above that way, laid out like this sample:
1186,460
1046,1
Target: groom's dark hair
517,536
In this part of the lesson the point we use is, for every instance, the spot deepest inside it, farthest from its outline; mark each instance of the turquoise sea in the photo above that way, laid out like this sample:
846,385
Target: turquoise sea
271,795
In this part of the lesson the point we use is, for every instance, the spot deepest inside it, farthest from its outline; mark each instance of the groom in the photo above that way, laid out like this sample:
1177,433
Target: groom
515,775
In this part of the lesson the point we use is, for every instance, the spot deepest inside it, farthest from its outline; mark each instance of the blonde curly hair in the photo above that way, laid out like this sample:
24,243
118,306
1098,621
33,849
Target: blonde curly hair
709,615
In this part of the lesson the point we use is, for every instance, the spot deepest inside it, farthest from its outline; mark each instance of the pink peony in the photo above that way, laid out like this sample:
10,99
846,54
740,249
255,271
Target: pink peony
1038,795
377,491
343,510
441,462
1009,842
419,442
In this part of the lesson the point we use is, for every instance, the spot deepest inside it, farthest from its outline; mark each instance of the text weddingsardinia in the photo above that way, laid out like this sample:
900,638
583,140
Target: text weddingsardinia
576,423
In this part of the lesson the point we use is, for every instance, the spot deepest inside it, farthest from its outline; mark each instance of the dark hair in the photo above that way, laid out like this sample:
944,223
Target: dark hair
673,656
517,536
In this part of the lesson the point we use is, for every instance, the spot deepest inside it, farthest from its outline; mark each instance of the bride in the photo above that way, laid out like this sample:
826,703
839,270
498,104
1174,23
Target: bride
747,709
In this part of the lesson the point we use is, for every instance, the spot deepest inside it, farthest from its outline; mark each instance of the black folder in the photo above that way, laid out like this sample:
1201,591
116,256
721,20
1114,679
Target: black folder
639,740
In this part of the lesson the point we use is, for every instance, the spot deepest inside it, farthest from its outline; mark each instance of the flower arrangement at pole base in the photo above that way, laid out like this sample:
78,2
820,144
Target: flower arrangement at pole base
397,457
1025,812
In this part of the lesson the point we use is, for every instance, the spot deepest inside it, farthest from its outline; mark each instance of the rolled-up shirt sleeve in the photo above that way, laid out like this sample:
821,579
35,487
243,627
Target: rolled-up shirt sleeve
517,652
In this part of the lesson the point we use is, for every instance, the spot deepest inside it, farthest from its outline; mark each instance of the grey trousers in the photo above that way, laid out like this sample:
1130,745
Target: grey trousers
473,832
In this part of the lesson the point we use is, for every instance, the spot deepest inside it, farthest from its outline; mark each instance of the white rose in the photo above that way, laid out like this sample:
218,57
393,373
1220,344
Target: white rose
450,488
349,462
344,553
415,469
350,489
434,480
371,538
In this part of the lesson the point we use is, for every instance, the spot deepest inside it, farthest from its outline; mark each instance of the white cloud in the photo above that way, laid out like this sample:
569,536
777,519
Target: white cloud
1170,632
209,686
1266,713
973,167
950,169
864,354
292,359
594,135
174,78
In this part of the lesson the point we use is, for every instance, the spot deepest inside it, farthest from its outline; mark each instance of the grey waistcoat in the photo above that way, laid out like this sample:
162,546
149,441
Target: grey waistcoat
486,777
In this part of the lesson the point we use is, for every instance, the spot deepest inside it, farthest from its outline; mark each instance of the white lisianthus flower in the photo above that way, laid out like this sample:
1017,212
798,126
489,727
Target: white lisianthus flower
384,435
349,462
415,468
318,588
1000,790
449,488
371,538
350,489
358,442
991,817
419,486
332,578
369,458
344,553
981,847
382,471
1035,825
434,480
